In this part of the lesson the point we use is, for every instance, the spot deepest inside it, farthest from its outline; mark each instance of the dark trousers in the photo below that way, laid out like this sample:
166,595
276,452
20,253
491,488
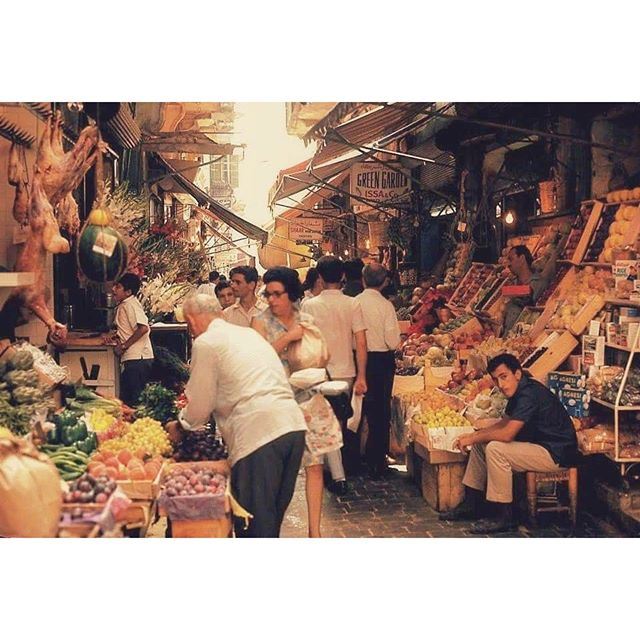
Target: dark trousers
134,377
263,483
377,406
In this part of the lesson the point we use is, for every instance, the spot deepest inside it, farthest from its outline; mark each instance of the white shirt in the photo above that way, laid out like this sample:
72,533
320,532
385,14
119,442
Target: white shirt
237,375
237,314
383,330
209,289
339,318
129,314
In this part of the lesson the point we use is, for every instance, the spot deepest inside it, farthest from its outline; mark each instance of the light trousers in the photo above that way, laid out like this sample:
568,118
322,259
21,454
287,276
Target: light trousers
491,466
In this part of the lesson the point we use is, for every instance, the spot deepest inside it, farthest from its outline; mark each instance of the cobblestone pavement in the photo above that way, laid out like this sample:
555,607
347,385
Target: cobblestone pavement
395,508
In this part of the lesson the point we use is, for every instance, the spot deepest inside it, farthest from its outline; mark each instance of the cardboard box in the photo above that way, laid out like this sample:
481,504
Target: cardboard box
562,380
575,401
593,351
435,457
558,349
516,290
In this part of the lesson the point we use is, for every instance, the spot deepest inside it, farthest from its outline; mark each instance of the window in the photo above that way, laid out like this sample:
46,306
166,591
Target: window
226,170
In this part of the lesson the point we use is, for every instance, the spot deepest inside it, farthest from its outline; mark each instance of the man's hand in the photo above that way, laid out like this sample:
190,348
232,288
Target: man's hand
360,387
463,443
119,349
174,431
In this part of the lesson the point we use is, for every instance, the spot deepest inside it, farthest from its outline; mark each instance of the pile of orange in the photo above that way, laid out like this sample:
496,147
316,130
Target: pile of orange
125,465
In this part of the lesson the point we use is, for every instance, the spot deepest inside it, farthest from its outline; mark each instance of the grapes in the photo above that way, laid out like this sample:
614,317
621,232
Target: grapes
201,445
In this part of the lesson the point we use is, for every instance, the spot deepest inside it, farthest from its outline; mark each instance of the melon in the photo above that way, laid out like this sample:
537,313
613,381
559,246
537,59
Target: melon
101,252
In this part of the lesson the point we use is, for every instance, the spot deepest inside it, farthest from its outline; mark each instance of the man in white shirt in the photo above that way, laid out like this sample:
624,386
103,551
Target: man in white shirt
209,288
383,338
243,282
133,342
237,376
339,318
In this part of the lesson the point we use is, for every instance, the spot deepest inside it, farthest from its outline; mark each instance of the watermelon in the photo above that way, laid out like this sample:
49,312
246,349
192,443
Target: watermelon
101,253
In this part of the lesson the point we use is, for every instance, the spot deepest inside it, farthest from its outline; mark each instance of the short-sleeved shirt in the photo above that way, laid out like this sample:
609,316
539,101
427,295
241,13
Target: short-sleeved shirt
129,314
339,318
274,329
546,421
383,330
238,315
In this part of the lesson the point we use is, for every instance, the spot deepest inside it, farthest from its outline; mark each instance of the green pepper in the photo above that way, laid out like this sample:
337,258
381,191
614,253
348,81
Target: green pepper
65,418
89,444
72,433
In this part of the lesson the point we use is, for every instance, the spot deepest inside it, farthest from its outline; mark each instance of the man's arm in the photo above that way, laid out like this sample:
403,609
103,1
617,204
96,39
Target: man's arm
201,390
503,431
391,329
140,332
360,385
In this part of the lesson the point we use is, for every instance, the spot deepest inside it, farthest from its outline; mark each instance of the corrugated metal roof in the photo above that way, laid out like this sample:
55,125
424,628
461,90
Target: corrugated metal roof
384,124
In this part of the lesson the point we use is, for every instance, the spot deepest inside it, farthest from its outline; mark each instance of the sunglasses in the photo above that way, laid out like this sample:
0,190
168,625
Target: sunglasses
276,294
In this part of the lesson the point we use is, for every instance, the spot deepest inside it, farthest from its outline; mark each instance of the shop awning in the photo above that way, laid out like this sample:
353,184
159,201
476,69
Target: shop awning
382,126
214,208
298,178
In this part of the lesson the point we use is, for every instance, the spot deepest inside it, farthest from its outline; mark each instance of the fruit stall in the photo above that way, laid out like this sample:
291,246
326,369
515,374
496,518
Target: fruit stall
583,331
103,468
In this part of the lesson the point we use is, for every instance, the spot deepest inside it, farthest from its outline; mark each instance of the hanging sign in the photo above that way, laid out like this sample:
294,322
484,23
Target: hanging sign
379,182
306,229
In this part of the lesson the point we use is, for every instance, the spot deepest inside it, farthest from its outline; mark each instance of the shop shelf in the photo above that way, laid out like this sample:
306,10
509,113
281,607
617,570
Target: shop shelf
604,403
622,303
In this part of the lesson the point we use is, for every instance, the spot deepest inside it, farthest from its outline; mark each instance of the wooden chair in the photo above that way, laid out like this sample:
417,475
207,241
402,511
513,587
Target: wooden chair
534,478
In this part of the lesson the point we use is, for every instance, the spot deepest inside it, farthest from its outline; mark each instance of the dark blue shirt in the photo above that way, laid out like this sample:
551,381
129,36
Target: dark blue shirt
546,421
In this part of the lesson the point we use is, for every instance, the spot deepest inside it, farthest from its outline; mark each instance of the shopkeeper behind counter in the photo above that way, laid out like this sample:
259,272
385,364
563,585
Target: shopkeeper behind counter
520,263
133,343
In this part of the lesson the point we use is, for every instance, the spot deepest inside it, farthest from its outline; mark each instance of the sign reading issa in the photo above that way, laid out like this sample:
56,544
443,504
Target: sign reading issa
378,182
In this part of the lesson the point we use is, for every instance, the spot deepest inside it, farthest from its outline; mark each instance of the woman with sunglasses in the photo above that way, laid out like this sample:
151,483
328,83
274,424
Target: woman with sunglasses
280,326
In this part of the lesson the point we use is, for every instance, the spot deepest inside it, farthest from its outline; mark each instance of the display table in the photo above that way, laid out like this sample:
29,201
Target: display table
95,364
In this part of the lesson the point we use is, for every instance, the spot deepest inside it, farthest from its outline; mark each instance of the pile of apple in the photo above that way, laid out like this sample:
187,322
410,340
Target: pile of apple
589,282
191,481
622,195
468,385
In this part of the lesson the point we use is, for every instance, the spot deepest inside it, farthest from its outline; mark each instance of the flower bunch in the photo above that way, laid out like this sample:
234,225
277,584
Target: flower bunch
160,296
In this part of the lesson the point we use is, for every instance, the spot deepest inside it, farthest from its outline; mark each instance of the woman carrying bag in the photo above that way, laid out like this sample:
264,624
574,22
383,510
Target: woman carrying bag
300,345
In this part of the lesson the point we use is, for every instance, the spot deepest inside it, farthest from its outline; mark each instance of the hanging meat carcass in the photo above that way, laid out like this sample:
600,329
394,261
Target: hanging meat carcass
56,175
62,172
14,171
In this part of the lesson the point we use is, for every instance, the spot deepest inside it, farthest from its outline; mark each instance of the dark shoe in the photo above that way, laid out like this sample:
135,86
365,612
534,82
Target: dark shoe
466,510
493,526
471,508
338,488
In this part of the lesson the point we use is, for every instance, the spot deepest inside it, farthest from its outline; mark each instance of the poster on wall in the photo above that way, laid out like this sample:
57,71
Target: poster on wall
379,182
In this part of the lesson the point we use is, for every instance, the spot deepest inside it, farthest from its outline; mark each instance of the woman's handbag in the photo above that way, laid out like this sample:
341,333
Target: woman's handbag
310,352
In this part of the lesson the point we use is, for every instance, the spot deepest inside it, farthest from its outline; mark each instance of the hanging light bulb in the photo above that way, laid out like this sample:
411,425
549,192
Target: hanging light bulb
346,252
510,218
75,106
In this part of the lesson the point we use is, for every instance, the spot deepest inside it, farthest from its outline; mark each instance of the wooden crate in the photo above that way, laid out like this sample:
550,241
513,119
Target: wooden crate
454,301
442,487
587,233
219,528
421,448
590,309
470,326
141,489
557,352
205,528
80,528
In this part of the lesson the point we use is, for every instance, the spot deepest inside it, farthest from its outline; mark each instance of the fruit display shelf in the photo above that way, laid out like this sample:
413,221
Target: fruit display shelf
470,285
582,231
561,272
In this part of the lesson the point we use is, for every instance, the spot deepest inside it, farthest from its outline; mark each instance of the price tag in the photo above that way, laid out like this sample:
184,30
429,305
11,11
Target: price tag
105,244
594,328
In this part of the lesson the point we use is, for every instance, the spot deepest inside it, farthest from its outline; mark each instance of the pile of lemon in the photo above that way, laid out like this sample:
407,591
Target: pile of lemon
445,417
146,434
